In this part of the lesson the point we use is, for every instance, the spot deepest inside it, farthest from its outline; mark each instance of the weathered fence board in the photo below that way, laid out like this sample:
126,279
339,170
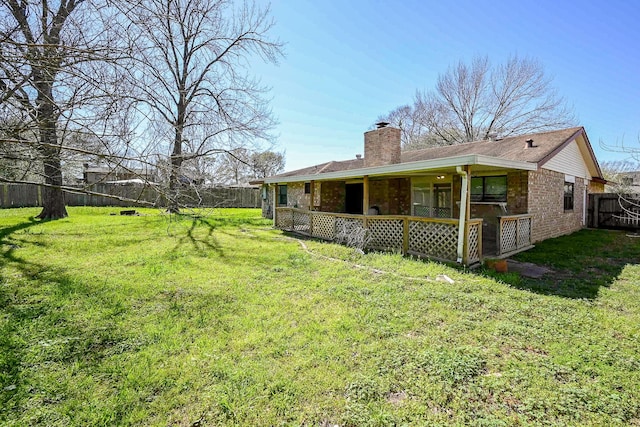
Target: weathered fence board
609,210
30,195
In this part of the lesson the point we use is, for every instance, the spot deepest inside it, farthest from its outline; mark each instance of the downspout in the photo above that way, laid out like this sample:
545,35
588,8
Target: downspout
463,213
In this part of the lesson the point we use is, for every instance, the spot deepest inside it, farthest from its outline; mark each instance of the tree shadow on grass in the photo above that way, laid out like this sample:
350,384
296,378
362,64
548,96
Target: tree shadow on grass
8,242
582,263
196,231
40,326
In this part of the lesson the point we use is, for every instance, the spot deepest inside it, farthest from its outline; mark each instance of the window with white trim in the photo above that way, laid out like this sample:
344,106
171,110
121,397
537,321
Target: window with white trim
568,196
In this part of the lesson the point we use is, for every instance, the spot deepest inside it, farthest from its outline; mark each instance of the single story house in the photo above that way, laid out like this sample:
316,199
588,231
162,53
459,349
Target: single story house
459,203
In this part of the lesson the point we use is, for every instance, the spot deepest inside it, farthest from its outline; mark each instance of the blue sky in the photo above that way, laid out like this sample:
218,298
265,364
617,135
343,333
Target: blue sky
347,62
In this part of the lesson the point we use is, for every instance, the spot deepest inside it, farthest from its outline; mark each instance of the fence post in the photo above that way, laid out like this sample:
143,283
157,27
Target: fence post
596,211
499,237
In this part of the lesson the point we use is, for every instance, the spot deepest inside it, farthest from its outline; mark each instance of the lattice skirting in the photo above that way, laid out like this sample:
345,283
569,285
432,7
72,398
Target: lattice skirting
508,241
524,232
301,222
386,233
438,240
284,219
324,226
474,254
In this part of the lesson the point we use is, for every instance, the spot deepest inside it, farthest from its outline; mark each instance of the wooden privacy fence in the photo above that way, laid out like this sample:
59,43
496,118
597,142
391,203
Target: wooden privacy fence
514,234
611,210
431,237
30,195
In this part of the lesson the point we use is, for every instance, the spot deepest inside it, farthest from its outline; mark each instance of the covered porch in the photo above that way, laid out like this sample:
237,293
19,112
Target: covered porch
455,209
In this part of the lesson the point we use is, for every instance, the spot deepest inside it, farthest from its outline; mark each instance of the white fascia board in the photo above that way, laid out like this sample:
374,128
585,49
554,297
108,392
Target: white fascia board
408,167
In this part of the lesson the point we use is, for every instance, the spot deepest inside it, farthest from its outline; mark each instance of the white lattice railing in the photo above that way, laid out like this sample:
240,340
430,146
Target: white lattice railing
514,234
429,237
474,241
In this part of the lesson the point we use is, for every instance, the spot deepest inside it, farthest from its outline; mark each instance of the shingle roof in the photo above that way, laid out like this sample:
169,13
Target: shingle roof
512,148
545,145
333,166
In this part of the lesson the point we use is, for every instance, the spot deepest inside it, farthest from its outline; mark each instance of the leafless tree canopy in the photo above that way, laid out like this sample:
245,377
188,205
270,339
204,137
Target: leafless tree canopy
474,101
151,84
59,97
243,165
192,76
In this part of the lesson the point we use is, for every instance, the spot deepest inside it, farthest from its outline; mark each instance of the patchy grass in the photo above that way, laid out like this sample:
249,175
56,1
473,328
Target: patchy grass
584,262
220,320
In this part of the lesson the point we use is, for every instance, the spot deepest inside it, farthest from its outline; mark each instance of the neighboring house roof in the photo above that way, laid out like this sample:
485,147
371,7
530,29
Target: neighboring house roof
98,169
107,170
512,152
131,181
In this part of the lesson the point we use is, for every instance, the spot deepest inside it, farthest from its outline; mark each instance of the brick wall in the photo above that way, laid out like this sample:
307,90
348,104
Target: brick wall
546,204
296,197
267,204
382,147
391,196
517,191
332,195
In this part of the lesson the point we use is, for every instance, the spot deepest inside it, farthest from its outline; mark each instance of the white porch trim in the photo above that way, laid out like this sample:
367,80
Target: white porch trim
409,167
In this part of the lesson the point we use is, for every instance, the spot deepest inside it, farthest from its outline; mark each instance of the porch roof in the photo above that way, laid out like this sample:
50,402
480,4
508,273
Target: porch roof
444,164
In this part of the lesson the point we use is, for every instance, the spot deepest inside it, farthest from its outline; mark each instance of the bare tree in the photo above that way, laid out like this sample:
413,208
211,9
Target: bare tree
623,178
242,165
193,76
412,127
474,101
266,163
52,88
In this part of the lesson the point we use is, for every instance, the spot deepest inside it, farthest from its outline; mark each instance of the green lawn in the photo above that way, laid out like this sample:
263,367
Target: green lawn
221,320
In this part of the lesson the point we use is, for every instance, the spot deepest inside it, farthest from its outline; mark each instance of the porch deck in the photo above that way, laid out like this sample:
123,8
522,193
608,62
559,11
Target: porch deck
435,238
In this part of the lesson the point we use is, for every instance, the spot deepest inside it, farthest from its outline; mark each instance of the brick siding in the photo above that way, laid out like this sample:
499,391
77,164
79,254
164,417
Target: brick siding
391,196
267,204
296,197
332,195
517,190
546,204
382,147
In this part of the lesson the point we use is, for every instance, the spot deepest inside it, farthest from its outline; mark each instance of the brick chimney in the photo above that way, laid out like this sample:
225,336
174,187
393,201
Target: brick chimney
382,146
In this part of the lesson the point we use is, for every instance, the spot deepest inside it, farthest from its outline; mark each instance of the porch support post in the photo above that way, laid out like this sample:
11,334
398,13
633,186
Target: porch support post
467,216
275,204
365,196
312,194
464,213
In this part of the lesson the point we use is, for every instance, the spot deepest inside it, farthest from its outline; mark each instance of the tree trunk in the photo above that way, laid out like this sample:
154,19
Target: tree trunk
176,155
174,183
174,175
53,205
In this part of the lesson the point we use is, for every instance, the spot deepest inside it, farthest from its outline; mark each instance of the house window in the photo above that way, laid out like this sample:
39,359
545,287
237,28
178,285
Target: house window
430,198
307,188
568,196
627,180
282,195
489,188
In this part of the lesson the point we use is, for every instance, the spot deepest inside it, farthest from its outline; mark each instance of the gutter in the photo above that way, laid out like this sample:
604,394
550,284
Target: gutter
418,166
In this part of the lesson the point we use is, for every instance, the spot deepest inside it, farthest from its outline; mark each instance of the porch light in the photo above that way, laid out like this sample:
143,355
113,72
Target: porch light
440,177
